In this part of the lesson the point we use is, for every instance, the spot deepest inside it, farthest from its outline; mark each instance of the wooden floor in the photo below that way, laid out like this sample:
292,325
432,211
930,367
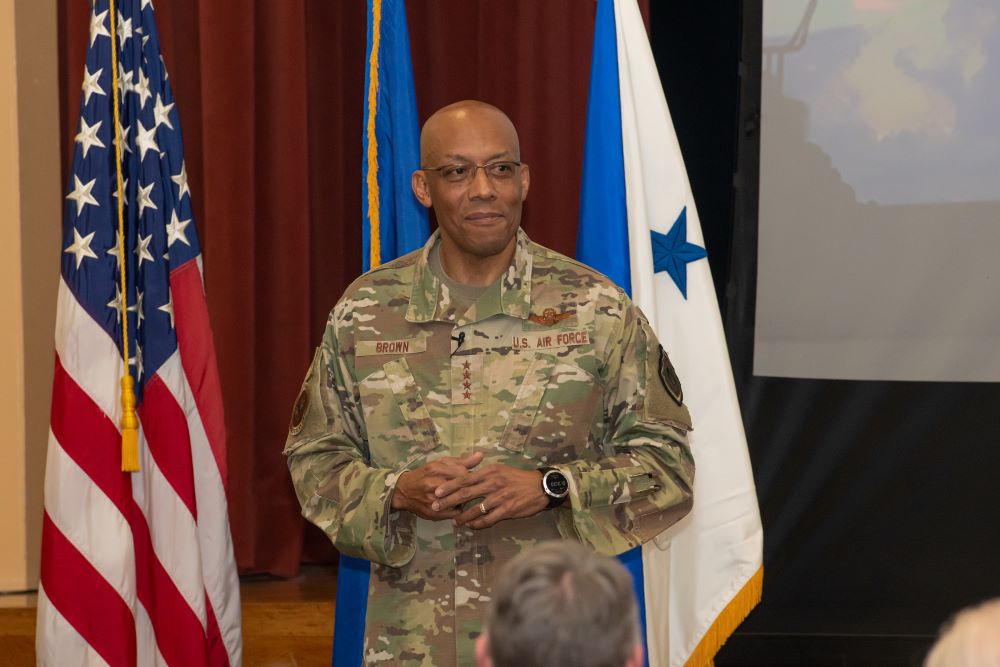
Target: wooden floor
286,623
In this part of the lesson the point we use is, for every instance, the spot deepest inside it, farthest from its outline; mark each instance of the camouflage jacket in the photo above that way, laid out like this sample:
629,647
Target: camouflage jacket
556,367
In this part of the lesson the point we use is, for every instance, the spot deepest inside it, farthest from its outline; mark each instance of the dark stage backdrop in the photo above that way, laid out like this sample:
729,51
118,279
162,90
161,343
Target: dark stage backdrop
270,99
879,499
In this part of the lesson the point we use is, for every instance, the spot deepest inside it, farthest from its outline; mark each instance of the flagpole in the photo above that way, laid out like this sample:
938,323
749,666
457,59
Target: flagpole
129,422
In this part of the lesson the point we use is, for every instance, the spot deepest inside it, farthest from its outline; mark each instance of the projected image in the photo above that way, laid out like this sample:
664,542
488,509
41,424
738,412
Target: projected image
880,191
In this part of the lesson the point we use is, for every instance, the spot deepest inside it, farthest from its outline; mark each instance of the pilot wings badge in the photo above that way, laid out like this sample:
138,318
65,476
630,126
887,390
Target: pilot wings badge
550,317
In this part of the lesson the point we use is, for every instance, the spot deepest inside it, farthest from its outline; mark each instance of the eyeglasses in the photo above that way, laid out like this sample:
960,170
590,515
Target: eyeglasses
498,172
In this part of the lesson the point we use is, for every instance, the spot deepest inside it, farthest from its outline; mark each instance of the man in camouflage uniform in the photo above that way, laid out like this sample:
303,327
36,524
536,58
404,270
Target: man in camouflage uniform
445,383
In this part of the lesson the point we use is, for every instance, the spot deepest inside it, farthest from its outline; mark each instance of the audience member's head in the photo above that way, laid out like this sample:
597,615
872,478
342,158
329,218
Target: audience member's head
971,639
561,604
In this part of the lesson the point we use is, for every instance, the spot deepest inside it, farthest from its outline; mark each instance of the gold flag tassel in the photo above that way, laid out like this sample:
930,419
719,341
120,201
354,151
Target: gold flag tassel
130,422
130,427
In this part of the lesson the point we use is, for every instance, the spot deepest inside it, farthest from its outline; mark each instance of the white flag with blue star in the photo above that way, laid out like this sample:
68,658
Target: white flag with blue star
639,225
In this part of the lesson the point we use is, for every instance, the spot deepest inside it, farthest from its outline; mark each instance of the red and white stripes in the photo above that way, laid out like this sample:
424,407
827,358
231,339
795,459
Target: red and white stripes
137,568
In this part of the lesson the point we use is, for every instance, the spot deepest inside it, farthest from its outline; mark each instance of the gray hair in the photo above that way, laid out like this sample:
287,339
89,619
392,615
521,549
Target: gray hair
970,639
562,604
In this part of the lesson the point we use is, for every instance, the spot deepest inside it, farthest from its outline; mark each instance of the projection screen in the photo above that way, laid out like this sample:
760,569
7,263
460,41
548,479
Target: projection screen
879,228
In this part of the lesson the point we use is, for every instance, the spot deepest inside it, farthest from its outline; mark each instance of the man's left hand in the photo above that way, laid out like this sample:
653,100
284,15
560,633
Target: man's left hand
506,493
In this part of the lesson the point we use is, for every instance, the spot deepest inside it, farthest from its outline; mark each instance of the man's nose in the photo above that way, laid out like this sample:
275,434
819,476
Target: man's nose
481,185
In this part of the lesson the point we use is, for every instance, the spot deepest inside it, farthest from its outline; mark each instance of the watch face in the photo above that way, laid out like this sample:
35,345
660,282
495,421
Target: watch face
555,483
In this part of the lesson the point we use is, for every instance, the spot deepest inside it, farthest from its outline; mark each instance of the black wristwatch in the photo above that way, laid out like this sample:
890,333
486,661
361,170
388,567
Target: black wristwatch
555,486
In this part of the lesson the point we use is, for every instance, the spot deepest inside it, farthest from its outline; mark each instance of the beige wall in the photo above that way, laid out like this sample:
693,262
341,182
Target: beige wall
30,210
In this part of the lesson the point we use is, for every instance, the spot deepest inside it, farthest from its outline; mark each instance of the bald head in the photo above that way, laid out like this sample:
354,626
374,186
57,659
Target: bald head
970,639
458,117
478,209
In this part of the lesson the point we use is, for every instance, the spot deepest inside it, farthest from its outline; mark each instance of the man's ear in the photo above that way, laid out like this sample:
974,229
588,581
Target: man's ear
525,181
483,658
418,181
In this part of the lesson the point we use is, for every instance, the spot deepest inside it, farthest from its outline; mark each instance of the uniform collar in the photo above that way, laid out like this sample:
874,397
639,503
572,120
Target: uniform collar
429,302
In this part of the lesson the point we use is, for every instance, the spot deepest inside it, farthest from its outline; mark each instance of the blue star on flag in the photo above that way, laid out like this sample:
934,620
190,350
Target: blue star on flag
672,253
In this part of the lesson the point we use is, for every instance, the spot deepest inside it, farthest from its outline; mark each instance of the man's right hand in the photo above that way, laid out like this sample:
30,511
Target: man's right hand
415,488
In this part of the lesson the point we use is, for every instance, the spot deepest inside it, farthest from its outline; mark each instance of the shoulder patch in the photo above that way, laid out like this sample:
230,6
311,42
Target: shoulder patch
668,376
299,413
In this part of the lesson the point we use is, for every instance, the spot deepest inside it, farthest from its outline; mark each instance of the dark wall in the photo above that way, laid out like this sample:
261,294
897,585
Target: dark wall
879,499
697,54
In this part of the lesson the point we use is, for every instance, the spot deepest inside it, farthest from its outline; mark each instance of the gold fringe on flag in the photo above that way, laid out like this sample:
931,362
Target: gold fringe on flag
727,621
130,422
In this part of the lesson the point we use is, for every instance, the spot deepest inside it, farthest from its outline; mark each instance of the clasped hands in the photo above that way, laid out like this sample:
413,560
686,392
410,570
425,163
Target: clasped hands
437,491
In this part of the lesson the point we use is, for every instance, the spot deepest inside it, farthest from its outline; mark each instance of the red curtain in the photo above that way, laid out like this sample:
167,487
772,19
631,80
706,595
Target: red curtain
270,98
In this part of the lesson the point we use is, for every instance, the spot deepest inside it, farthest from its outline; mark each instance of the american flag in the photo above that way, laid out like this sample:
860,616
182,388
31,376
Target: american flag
137,568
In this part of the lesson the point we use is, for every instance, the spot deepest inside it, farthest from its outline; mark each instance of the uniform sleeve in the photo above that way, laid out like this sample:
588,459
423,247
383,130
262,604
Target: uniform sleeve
643,485
327,452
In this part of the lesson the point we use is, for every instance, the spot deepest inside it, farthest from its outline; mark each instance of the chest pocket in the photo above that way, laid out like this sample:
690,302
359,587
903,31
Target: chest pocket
516,423
552,409
389,394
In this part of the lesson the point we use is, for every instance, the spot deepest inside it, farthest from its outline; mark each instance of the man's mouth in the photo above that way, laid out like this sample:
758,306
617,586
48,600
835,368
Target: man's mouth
483,216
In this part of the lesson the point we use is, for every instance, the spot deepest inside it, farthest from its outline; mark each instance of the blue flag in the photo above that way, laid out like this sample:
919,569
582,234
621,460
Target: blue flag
602,239
393,221
639,225
393,224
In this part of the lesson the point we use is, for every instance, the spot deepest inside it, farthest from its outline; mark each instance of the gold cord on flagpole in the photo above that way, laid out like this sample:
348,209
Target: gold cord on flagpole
130,422
375,250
